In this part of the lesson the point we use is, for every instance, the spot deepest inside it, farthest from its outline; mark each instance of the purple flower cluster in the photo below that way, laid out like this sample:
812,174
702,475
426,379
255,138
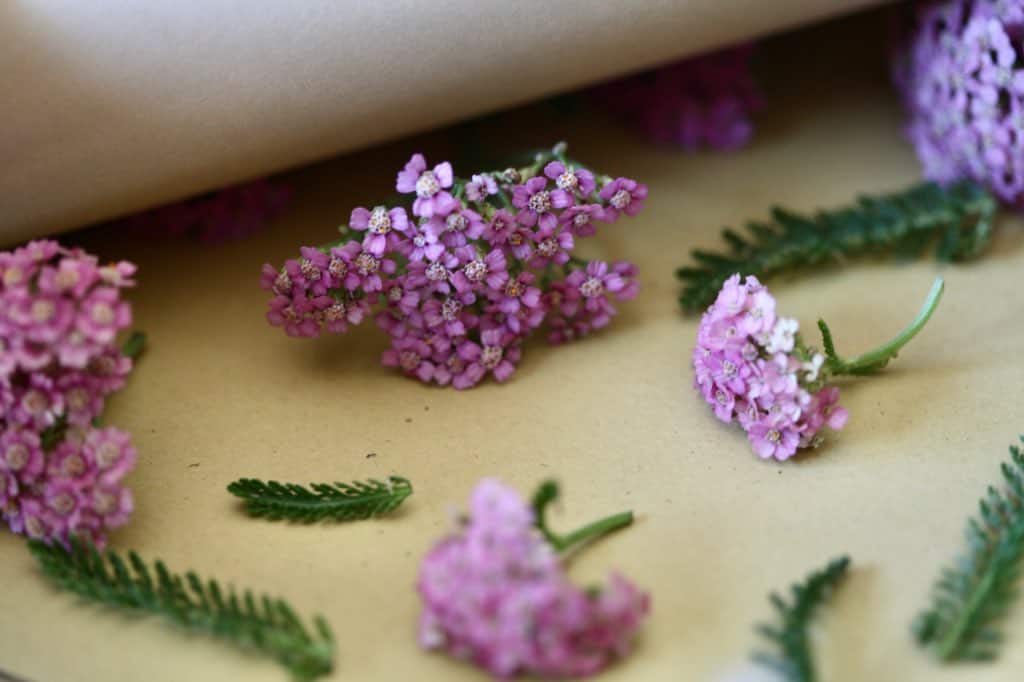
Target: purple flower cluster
475,269
495,593
704,101
752,367
959,68
221,216
60,312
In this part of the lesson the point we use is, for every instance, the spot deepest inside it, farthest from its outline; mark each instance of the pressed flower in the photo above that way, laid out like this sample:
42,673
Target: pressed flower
463,282
574,180
380,226
422,244
958,67
429,186
480,187
59,315
623,196
582,219
412,356
703,101
753,367
537,203
495,592
455,228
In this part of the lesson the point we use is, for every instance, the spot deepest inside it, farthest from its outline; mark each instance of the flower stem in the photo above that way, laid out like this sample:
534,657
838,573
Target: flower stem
594,530
878,358
548,493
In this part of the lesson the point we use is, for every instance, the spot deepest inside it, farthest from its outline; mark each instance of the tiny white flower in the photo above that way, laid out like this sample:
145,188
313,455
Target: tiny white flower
783,335
814,366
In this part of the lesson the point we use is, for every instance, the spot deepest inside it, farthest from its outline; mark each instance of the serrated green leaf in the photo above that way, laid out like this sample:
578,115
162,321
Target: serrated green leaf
335,501
958,218
84,571
790,637
971,597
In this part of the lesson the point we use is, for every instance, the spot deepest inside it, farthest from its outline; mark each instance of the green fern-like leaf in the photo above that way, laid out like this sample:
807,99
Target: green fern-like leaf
262,624
972,596
958,218
791,636
336,501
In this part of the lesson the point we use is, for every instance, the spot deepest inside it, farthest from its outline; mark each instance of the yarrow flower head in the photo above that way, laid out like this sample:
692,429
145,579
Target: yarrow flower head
60,311
495,592
958,65
704,101
216,217
462,276
753,367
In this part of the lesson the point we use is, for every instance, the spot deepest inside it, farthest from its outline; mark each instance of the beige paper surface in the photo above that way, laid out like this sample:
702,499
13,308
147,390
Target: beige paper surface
111,107
220,395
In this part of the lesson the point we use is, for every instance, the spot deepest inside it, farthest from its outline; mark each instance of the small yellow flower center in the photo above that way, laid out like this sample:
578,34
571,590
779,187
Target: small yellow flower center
491,356
548,247
66,279
107,454
475,270
592,287
16,456
13,275
367,264
73,465
102,313
309,269
63,504
621,199
78,399
437,272
35,402
540,202
103,502
43,311
427,185
456,222
409,360
567,181
450,309
380,221
34,527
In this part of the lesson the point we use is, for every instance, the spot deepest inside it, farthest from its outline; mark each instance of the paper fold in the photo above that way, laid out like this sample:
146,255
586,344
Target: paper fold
111,107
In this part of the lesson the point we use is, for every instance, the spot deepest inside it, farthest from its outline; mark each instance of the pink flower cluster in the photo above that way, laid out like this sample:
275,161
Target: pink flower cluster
703,101
959,66
477,267
221,216
495,593
752,367
60,312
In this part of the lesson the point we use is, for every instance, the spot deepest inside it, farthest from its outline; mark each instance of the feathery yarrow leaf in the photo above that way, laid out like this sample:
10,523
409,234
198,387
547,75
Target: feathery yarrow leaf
972,596
266,625
791,637
958,218
336,501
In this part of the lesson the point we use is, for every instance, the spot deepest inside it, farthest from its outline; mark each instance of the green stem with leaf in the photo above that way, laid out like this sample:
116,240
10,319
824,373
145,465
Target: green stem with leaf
876,359
546,494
